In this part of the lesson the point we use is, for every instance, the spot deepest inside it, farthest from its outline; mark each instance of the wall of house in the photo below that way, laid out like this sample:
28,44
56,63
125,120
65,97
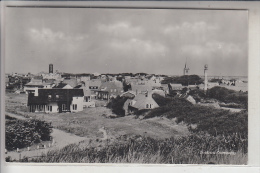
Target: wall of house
26,89
55,108
89,104
79,102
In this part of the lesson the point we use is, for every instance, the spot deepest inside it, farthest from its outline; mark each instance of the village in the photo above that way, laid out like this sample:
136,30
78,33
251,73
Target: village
99,110
56,92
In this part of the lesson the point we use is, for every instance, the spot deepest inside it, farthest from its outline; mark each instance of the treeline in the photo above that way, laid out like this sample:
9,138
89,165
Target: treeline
184,80
24,133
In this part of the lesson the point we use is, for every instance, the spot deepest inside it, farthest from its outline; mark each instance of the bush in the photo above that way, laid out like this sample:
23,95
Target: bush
208,119
116,104
228,96
23,133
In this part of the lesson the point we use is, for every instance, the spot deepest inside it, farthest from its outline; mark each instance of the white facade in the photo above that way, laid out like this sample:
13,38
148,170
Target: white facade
77,104
52,108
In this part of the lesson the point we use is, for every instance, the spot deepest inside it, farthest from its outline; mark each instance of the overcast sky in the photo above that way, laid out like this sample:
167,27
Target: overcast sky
126,40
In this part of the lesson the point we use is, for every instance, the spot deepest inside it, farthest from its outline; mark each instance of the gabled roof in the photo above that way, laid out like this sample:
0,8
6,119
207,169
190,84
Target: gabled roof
72,82
86,91
128,93
141,88
94,82
106,86
141,100
175,85
60,85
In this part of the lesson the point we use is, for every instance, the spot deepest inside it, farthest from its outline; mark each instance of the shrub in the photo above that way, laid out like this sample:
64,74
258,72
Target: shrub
23,133
116,104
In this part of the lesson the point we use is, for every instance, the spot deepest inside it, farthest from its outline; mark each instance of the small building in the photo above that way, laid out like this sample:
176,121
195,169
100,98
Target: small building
110,89
56,100
141,88
140,102
32,86
175,87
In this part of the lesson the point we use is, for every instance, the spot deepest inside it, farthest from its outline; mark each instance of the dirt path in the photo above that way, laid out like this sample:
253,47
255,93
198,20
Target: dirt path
61,139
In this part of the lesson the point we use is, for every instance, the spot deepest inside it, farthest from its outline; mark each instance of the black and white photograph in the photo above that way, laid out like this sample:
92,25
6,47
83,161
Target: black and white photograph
126,85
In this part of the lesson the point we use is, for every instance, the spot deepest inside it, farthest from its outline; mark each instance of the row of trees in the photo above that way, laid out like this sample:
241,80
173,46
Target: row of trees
184,80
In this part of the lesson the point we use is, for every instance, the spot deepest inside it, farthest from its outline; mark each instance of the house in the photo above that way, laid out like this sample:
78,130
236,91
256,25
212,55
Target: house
71,82
141,88
140,102
56,100
175,87
93,85
87,101
32,86
110,89
192,87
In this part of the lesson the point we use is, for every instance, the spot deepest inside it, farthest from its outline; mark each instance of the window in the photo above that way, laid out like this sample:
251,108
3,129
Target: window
115,90
74,106
150,105
64,107
147,105
49,108
49,96
57,96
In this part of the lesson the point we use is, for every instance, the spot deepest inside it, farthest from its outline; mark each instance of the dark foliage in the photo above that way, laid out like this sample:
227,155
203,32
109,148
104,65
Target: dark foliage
184,80
126,86
116,104
228,96
23,133
207,119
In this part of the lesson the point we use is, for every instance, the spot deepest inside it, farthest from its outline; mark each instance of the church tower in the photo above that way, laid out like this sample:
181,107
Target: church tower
186,69
205,77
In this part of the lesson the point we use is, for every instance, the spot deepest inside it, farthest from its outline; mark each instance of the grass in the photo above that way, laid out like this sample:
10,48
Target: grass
88,122
137,149
132,140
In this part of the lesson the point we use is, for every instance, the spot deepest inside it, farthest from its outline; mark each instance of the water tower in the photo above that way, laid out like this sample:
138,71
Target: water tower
50,68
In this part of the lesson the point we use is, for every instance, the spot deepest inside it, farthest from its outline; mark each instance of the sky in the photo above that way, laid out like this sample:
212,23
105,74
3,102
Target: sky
154,41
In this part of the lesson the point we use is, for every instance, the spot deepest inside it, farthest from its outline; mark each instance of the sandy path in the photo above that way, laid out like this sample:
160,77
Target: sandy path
61,139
